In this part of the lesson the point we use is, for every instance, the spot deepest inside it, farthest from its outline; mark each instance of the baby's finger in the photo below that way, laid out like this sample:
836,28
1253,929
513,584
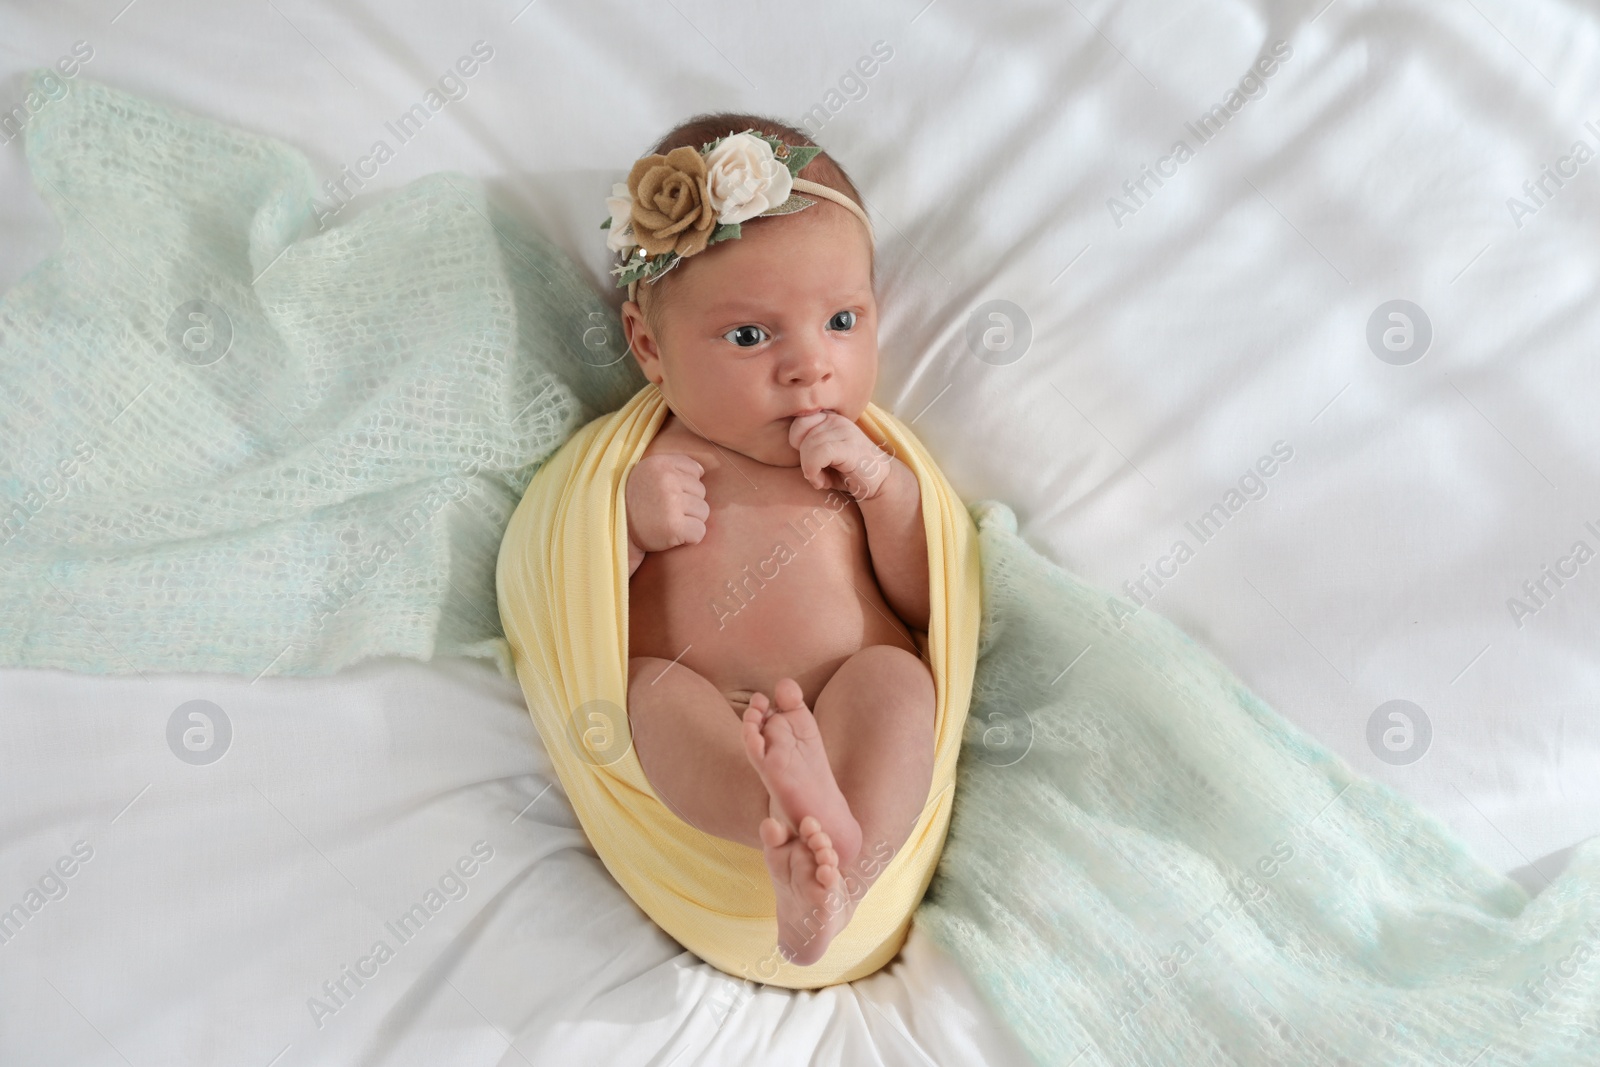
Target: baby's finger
692,530
696,506
810,467
687,464
826,453
803,425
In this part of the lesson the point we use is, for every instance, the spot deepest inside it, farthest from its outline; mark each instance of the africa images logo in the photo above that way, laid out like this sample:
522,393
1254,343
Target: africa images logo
451,87
1203,129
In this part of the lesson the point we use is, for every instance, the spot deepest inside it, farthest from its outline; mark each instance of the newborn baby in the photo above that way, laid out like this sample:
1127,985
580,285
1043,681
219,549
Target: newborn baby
777,695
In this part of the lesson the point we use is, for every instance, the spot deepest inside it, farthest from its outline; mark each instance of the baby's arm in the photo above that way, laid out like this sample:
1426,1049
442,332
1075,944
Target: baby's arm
833,450
898,544
666,505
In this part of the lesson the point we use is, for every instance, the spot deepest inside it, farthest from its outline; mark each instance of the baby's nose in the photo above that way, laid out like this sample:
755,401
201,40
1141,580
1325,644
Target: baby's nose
808,363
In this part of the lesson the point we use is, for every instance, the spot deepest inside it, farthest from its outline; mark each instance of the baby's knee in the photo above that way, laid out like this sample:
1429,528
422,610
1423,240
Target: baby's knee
894,667
657,686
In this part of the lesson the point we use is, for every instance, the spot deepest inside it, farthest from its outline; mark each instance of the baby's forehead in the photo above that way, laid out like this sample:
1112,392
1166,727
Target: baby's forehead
822,232
755,301
780,282
778,265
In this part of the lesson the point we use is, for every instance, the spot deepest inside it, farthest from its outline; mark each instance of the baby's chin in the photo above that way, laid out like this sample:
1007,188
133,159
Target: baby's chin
772,448
768,444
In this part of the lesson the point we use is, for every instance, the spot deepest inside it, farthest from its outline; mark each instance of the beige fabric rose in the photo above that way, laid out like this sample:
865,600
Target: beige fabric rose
671,207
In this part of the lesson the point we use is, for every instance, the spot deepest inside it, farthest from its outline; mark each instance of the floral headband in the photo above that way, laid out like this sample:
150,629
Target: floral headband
675,205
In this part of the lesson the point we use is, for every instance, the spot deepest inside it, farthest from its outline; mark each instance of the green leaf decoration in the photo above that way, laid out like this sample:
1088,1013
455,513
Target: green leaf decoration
662,264
637,269
606,225
723,232
799,156
627,277
634,269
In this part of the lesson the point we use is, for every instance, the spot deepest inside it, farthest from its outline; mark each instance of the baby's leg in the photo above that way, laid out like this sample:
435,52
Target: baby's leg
876,719
870,743
688,740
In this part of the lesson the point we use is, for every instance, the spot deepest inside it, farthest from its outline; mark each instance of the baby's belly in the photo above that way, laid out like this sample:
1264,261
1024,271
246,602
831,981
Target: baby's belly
781,586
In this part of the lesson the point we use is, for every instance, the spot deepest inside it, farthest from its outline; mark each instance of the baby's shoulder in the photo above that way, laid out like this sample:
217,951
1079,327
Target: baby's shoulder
675,437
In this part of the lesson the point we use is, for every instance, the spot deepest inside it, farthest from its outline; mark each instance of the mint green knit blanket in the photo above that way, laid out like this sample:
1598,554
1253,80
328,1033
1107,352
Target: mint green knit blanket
235,441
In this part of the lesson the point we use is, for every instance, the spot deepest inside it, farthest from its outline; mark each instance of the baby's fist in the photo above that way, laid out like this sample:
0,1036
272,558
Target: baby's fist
666,502
834,453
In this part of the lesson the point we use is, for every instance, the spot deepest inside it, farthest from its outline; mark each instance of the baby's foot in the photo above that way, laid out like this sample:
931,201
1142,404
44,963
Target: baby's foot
805,871
810,832
785,747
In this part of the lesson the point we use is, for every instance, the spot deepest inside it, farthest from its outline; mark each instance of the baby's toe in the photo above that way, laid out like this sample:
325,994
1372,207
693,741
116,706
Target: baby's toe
778,731
773,833
758,709
788,695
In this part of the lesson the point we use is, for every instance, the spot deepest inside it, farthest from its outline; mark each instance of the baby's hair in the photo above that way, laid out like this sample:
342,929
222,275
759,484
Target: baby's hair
702,130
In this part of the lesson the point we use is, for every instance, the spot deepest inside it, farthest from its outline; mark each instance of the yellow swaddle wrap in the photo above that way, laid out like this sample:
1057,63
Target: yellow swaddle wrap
562,580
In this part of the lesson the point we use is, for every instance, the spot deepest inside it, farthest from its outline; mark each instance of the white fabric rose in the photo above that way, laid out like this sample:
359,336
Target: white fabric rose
619,238
744,178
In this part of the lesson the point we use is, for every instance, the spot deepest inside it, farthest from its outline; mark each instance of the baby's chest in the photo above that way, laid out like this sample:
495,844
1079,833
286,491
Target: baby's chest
773,517
759,510
782,575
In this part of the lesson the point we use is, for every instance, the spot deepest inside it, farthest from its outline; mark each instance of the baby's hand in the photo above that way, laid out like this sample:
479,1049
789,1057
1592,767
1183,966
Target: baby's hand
834,453
666,502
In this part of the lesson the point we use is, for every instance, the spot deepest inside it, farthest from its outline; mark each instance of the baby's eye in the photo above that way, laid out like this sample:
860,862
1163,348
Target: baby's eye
745,336
842,320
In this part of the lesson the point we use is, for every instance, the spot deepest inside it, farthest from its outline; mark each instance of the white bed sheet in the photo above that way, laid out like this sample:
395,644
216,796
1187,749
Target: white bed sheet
1173,344
216,900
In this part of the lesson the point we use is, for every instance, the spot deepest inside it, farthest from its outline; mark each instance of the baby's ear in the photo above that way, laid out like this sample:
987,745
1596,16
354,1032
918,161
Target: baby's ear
641,341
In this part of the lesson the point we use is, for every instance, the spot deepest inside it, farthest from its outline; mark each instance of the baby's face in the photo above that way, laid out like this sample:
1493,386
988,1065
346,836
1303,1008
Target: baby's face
777,323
